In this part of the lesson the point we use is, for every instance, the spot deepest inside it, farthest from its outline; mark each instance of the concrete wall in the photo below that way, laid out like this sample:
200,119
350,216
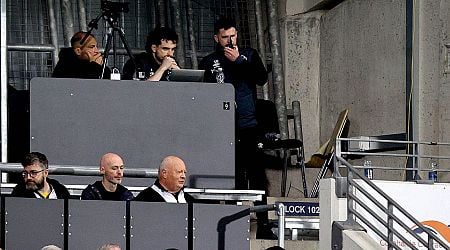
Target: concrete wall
294,7
431,56
362,67
301,60
354,56
350,57
332,209
358,240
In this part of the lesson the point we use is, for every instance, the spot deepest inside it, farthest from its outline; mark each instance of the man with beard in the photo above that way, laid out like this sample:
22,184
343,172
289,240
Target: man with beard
36,182
169,185
244,69
156,63
109,188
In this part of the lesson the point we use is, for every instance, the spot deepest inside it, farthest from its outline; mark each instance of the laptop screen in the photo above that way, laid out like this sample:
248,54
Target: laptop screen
186,75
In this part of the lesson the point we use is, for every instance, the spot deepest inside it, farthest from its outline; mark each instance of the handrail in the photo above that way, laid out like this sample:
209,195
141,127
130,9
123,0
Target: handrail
396,141
80,170
418,155
353,214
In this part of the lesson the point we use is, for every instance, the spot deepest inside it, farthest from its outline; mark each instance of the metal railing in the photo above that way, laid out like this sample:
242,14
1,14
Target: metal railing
80,170
387,218
417,153
379,215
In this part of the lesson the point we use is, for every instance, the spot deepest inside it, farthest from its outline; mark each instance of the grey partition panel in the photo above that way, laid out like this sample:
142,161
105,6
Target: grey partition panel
93,223
1,221
205,234
75,121
157,225
33,223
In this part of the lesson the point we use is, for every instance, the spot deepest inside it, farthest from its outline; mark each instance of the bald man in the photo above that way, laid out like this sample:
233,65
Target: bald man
169,185
109,188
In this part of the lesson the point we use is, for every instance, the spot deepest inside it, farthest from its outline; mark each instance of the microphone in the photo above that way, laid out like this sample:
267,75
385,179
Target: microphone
230,44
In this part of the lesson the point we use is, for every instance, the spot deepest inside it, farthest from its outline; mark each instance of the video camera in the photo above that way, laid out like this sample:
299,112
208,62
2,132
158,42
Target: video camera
114,8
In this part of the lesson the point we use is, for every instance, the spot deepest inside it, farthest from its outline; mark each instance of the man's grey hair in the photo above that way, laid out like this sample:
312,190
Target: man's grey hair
51,247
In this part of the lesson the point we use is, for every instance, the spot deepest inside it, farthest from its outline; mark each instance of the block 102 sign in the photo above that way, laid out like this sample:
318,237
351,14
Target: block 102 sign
295,209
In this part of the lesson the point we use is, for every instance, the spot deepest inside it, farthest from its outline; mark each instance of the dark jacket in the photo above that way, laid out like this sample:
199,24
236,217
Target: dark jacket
145,62
151,195
92,192
60,190
244,73
70,66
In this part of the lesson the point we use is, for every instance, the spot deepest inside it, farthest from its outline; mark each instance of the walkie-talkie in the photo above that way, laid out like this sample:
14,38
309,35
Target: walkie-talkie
230,44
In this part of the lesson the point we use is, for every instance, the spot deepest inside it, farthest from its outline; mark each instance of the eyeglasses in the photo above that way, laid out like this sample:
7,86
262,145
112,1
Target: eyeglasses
32,173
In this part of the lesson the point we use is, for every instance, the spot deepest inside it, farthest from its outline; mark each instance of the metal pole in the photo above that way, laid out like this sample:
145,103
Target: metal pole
153,10
277,71
25,40
67,18
179,28
299,136
281,224
261,46
192,40
53,30
3,83
390,227
138,19
162,13
82,15
297,120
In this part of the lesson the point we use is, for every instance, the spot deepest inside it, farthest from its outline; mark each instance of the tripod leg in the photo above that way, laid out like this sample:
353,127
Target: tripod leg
127,47
109,37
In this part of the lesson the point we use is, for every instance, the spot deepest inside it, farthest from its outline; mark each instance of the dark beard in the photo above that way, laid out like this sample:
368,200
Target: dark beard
35,185
219,48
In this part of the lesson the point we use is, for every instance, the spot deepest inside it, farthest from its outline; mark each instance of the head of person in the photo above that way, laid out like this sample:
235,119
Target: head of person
35,171
88,50
172,173
111,167
225,32
161,42
51,247
110,247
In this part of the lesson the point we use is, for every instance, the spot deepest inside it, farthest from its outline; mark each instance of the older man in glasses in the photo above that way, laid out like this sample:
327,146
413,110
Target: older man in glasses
36,183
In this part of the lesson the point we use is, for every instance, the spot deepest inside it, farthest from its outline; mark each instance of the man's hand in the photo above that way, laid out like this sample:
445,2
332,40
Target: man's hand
231,53
169,63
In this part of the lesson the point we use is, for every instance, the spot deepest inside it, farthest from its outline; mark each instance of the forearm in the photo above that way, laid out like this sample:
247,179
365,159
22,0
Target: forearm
158,74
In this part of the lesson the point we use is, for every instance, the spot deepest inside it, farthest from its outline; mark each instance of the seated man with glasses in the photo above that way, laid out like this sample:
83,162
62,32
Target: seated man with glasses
36,183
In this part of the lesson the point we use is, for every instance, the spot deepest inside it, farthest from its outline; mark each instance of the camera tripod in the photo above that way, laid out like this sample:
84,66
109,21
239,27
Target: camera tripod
110,13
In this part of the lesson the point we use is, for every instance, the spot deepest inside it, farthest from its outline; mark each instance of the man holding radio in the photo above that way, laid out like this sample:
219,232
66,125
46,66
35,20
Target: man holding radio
243,68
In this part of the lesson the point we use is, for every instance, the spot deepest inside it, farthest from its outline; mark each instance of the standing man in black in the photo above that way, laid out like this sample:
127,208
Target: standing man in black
243,68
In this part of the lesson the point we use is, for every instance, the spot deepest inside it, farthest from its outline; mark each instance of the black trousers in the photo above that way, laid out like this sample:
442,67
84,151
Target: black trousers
250,171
